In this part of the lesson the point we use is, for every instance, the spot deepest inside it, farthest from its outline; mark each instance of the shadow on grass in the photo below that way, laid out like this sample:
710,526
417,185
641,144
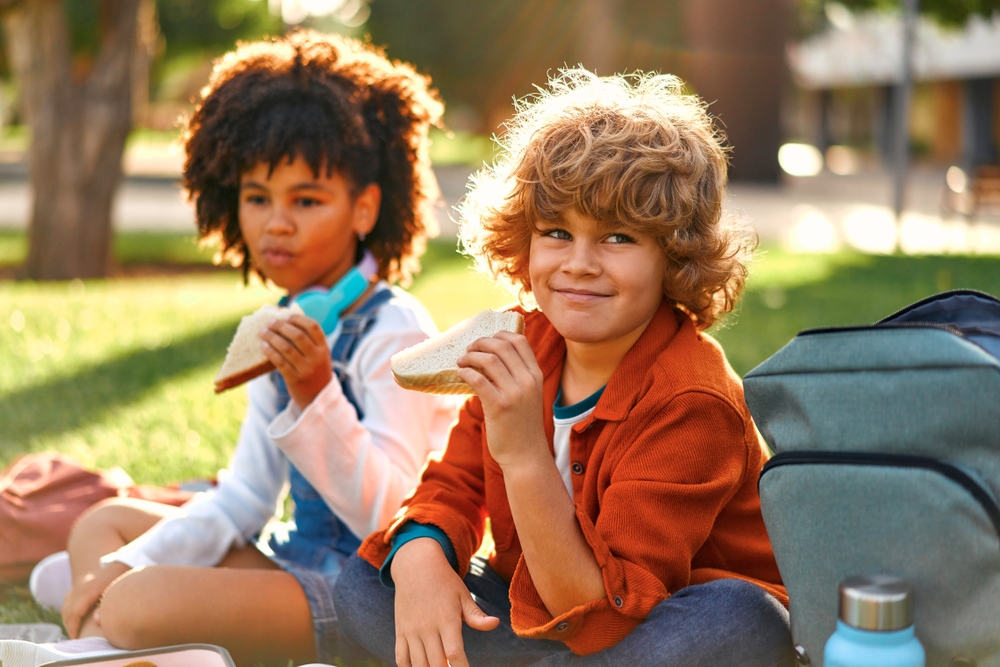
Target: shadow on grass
858,291
67,403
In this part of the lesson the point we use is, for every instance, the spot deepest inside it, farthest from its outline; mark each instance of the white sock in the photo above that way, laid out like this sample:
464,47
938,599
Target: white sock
51,580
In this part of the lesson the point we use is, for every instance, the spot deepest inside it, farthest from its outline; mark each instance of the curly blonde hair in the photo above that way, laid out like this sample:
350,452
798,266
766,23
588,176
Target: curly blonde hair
629,149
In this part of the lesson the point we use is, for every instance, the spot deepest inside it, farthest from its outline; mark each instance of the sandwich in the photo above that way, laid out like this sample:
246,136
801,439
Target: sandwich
432,366
244,359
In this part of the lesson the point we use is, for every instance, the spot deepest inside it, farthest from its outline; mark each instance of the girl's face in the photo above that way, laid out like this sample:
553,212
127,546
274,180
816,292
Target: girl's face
302,230
598,285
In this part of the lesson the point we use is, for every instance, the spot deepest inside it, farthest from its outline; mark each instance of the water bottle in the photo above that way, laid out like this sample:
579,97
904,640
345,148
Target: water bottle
875,628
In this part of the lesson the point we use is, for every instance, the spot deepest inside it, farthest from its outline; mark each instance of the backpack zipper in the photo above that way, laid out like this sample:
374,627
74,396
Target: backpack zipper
953,473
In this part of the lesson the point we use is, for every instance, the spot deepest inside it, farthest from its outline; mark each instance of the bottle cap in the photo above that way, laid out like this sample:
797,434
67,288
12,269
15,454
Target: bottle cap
876,602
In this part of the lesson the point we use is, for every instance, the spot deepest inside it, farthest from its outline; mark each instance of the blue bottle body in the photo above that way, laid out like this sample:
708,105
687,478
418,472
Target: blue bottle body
850,647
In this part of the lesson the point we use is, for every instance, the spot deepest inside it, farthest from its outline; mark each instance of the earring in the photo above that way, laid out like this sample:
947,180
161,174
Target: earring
361,237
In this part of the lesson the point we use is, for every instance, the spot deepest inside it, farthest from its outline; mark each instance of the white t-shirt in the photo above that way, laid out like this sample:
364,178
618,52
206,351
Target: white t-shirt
362,468
564,418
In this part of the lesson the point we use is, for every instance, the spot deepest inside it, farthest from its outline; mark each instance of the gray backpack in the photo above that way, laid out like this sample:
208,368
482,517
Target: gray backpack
887,461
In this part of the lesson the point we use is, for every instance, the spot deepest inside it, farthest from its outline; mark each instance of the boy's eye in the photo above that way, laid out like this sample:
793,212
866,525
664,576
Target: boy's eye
307,202
620,238
255,199
560,234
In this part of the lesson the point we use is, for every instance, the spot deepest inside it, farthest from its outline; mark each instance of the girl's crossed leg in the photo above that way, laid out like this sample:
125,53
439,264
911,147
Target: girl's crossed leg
246,604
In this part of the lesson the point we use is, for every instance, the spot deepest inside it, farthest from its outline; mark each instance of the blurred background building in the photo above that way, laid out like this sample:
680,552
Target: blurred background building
845,78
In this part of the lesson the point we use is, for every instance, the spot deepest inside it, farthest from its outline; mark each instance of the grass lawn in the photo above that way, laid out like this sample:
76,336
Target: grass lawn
119,372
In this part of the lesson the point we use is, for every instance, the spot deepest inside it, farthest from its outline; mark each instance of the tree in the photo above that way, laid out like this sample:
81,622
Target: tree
80,113
79,63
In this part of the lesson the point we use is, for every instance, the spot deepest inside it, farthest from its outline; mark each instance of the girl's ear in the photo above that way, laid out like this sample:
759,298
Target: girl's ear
366,209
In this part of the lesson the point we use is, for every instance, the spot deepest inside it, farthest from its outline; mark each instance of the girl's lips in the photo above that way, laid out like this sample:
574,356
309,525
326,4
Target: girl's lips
276,257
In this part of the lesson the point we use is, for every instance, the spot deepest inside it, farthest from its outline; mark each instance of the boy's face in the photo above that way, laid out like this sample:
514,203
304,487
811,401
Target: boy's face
301,230
596,284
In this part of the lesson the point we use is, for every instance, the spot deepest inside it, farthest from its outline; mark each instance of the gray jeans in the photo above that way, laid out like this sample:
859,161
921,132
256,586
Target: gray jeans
724,622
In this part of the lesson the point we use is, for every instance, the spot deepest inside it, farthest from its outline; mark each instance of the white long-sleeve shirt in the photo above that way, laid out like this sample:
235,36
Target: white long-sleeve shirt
362,469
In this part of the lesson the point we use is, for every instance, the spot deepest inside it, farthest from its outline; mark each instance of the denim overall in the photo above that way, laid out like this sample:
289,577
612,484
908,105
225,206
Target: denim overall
319,543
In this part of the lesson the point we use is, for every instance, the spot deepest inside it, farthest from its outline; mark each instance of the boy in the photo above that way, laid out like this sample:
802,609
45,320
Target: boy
610,445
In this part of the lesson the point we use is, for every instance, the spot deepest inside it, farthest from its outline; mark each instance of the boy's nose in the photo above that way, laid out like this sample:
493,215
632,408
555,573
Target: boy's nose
581,259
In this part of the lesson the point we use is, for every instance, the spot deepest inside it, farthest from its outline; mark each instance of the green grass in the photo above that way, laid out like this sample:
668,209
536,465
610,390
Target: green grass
119,372
787,293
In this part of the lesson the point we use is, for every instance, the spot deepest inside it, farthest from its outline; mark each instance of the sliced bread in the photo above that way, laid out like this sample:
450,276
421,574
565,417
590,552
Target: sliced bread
432,366
244,359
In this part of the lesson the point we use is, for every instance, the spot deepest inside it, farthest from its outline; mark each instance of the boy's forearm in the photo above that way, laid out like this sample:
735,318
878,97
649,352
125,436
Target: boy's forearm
562,565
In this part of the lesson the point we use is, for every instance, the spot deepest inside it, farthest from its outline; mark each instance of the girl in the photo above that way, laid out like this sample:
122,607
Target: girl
610,445
307,159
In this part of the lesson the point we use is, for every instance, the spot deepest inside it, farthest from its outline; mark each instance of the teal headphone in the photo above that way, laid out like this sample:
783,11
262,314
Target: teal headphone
326,305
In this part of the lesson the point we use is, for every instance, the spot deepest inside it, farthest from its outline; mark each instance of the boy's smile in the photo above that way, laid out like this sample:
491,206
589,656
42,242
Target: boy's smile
598,285
301,229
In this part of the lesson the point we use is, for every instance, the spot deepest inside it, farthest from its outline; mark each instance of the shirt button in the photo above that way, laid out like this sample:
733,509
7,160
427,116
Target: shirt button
562,626
577,468
618,601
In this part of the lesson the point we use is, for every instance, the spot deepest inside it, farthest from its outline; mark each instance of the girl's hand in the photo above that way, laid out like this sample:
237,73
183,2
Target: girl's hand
86,593
431,604
297,348
505,375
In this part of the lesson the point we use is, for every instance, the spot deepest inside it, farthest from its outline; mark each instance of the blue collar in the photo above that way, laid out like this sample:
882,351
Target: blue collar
326,305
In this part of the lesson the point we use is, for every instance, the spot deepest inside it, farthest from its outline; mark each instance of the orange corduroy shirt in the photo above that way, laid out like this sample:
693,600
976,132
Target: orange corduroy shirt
665,490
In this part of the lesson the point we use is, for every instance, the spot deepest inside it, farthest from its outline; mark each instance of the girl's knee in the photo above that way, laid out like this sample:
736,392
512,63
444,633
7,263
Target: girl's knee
102,515
128,613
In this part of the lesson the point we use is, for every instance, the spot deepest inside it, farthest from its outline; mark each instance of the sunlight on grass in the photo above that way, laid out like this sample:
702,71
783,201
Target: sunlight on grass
13,247
99,368
787,293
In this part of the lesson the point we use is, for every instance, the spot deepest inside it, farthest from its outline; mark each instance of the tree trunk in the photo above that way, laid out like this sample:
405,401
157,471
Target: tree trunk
78,127
736,63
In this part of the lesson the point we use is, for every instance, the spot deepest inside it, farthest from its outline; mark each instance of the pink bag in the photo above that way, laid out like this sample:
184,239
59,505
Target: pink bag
41,495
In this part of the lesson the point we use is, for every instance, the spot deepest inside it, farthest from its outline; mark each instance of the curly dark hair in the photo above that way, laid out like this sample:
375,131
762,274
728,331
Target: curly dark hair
337,103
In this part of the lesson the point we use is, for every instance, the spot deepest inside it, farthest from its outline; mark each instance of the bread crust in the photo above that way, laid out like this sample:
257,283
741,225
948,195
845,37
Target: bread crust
444,381
246,375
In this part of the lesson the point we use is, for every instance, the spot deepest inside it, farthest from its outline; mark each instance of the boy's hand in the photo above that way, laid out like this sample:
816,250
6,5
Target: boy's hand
297,348
431,604
86,593
504,373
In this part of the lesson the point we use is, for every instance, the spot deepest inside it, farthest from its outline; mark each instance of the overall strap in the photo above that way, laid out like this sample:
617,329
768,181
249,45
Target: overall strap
353,328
